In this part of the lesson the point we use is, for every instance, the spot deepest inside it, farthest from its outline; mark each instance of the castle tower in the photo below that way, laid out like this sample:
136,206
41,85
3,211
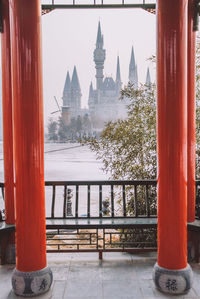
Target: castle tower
133,75
91,103
148,78
75,95
118,77
67,91
99,58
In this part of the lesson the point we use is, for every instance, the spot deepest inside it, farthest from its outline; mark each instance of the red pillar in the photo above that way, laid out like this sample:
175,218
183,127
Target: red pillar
7,115
25,19
191,151
172,147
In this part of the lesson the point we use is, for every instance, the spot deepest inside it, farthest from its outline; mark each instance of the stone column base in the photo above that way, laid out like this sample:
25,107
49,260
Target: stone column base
29,284
173,281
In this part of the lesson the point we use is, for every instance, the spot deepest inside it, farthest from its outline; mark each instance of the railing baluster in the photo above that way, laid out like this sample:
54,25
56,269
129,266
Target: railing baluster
100,201
147,202
77,196
124,201
53,201
65,200
88,201
136,201
112,202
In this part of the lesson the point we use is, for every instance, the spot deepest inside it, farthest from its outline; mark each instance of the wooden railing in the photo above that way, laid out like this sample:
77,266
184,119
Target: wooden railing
108,198
136,198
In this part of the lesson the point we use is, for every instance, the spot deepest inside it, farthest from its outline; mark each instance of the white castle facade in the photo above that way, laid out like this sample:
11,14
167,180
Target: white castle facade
103,102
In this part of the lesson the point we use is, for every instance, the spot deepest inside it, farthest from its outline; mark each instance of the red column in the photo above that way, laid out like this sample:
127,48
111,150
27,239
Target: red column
171,273
191,151
172,133
7,115
28,135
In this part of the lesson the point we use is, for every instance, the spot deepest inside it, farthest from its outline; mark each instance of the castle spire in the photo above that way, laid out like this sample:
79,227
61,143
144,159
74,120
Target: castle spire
148,78
67,91
118,77
75,82
99,42
99,58
132,61
91,89
118,73
67,84
133,74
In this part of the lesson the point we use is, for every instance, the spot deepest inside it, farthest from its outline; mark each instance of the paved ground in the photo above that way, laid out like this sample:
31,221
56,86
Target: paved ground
83,276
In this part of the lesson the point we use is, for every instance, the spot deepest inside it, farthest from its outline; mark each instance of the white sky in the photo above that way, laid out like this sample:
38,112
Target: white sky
69,38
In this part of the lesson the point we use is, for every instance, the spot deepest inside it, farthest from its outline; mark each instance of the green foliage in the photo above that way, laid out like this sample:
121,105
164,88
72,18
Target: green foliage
52,130
127,147
81,126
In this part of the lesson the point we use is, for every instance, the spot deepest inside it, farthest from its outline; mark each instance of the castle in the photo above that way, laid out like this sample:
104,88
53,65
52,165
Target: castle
103,102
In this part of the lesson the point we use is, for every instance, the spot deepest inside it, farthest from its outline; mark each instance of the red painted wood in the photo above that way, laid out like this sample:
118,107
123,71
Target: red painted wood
7,115
191,143
172,133
28,134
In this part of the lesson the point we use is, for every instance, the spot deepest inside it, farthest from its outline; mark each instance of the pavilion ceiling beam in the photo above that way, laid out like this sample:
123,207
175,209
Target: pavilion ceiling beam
92,6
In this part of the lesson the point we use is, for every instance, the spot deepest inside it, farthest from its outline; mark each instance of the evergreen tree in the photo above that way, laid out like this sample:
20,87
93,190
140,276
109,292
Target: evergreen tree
128,147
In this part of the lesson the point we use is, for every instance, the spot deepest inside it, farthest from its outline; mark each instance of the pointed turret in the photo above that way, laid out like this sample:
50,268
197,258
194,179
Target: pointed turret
118,76
133,75
67,85
99,42
67,91
75,82
99,58
132,61
148,78
118,73
91,90
75,105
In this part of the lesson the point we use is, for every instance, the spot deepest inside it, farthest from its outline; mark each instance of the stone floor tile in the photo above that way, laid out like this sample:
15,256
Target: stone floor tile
80,289
146,288
116,256
85,274
58,289
86,297
143,256
47,295
121,272
88,256
60,273
192,293
59,258
85,263
119,288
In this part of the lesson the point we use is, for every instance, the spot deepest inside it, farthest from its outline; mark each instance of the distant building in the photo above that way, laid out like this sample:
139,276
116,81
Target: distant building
103,101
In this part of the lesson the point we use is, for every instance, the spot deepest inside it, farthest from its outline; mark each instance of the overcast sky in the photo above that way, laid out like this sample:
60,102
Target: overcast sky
69,38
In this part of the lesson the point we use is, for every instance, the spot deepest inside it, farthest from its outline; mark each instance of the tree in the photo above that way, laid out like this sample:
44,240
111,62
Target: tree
52,130
62,130
127,147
